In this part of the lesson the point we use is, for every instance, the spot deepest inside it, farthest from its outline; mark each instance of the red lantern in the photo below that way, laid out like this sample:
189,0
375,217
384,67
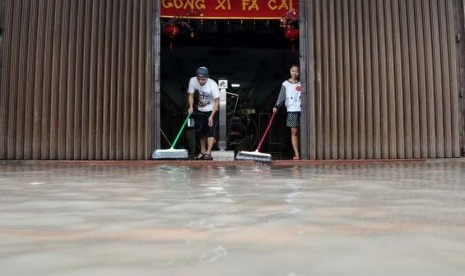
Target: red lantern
292,34
171,31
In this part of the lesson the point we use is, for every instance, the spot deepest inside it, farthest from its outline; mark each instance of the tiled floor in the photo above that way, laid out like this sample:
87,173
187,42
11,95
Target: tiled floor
142,218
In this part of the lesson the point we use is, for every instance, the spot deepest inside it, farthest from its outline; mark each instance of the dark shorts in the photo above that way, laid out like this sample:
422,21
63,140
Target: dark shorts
201,124
293,119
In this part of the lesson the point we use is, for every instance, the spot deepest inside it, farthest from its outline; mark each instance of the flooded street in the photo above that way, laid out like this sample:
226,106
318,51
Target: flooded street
368,219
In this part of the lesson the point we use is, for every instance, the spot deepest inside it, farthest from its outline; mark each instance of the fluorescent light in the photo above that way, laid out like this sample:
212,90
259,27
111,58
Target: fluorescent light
235,85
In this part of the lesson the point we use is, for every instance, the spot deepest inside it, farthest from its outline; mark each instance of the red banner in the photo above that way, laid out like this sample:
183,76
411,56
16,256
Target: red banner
227,9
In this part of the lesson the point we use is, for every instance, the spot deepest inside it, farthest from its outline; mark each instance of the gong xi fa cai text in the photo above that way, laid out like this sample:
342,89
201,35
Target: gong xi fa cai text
228,8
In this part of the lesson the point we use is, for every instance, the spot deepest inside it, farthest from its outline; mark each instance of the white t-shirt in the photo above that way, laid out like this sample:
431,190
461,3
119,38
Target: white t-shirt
207,93
293,95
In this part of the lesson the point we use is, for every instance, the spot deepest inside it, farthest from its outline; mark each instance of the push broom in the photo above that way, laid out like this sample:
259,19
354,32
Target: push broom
257,155
173,153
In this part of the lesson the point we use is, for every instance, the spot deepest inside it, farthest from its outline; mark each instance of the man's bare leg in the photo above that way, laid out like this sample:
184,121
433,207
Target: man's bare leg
203,146
210,142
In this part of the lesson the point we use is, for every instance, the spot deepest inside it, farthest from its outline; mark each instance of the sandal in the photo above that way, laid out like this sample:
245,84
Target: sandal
201,156
296,158
207,156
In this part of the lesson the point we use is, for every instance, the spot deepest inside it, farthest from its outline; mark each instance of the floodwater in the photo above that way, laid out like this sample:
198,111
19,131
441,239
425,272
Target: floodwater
378,219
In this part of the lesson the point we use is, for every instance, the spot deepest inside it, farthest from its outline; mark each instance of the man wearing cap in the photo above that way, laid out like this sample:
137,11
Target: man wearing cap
206,128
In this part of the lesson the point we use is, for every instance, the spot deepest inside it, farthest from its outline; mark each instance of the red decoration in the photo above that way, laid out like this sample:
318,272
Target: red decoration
292,34
173,26
290,24
171,31
290,19
229,9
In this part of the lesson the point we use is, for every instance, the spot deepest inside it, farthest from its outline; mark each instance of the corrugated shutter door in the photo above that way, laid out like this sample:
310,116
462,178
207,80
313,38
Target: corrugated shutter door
76,80
384,80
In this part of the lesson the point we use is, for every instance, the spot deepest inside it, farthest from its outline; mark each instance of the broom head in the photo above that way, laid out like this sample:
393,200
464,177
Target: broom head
254,156
170,154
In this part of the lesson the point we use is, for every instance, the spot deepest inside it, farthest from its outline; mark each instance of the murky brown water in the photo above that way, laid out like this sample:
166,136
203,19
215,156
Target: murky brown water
381,219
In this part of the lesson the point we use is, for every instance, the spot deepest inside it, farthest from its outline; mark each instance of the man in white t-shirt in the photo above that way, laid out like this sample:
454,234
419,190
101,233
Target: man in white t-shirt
206,127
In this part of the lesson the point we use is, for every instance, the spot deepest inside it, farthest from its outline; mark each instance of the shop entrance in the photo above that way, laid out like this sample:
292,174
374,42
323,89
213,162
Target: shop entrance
253,56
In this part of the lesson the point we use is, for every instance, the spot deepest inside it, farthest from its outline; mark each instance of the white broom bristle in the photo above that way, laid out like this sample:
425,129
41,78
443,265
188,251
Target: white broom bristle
170,154
254,156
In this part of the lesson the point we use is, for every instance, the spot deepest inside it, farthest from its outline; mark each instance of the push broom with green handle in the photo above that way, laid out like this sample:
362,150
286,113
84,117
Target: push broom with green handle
173,153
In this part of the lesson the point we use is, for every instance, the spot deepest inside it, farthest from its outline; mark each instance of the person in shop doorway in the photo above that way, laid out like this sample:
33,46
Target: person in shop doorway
290,95
206,117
